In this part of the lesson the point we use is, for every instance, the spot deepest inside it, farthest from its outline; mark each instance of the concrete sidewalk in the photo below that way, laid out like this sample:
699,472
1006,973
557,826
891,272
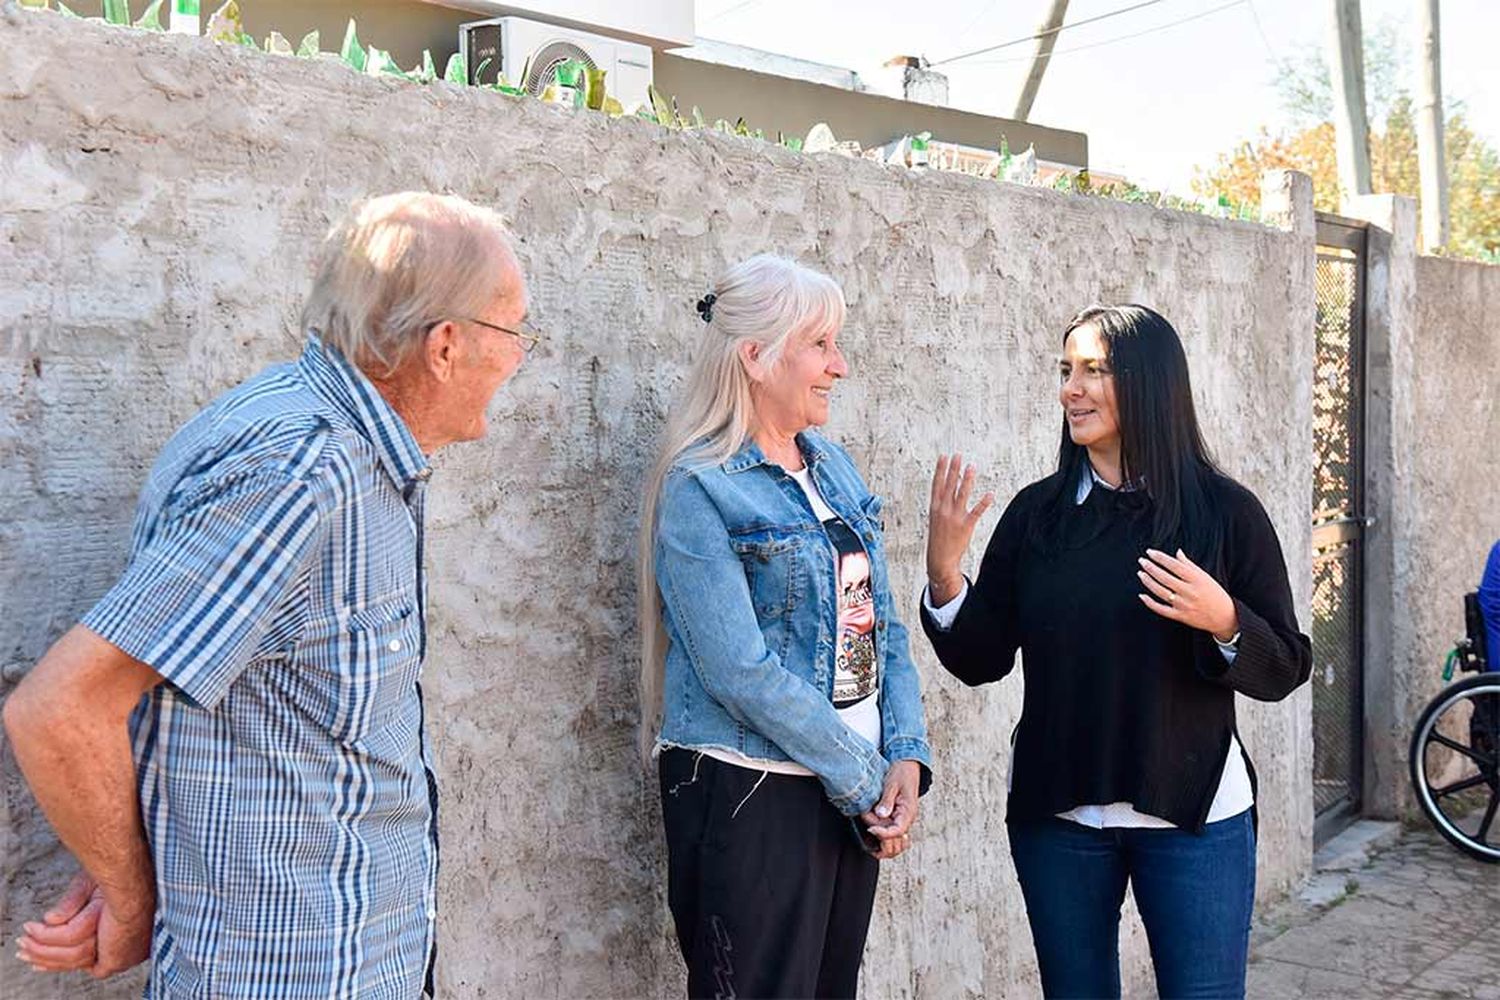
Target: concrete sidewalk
1414,920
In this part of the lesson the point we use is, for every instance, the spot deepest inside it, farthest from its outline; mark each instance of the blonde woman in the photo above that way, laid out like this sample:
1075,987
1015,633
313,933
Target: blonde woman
777,684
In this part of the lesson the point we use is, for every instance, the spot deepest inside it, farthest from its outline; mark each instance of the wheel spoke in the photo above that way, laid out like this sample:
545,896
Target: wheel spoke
1468,752
1459,786
1489,817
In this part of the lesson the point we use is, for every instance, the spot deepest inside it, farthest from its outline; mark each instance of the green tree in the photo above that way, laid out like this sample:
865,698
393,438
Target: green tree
1307,144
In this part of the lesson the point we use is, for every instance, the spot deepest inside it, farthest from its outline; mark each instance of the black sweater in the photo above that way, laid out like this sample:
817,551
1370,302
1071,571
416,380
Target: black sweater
1121,705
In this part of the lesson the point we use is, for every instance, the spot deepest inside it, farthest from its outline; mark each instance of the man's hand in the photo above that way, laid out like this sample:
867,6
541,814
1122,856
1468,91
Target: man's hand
892,818
83,931
124,936
66,936
68,725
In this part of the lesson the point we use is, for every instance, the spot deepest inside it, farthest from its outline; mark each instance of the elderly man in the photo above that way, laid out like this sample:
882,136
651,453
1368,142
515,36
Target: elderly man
230,743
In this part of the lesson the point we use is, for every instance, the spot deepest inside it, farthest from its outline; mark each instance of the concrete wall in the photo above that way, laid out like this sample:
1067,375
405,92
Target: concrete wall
1432,426
160,200
1455,516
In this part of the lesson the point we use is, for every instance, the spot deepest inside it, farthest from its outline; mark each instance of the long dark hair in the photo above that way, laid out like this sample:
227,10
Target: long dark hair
1161,447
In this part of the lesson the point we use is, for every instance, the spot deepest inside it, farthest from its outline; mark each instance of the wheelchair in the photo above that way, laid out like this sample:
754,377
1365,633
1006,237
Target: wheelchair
1455,747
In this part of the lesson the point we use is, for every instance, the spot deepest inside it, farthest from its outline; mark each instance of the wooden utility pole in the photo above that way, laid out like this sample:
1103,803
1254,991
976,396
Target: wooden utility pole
1046,38
1430,161
1346,69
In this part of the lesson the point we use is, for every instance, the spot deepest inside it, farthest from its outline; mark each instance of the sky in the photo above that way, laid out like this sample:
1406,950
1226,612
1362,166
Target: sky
1154,106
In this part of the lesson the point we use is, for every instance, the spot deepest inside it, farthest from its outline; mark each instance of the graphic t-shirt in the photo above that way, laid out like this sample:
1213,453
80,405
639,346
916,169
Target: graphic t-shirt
856,685
855,677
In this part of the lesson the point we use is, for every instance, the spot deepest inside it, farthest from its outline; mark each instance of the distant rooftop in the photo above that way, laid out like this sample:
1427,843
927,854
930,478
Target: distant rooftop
773,63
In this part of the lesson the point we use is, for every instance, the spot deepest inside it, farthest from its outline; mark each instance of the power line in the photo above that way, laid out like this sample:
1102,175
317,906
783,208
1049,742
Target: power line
984,12
1270,49
1049,31
1119,38
731,9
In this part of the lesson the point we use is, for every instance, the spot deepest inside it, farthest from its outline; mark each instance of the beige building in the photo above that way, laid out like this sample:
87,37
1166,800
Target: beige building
770,92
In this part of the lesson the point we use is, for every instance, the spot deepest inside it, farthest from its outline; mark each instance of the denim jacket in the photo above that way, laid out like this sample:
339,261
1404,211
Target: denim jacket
747,580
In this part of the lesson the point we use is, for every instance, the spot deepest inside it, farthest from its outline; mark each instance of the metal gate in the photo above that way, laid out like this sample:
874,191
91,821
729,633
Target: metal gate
1338,526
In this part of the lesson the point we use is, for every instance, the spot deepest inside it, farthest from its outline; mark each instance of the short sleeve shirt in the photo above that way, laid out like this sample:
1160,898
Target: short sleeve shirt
275,582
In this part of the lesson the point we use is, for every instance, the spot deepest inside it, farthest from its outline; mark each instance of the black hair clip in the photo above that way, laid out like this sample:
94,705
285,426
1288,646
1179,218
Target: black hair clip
706,307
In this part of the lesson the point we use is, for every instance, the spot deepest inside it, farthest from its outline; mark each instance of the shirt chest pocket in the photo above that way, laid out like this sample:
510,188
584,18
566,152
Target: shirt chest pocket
352,674
773,569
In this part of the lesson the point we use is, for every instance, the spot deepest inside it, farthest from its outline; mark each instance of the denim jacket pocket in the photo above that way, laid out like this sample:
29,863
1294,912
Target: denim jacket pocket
771,560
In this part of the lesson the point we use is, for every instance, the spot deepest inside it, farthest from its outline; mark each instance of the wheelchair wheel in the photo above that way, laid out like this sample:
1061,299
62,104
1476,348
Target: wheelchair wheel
1455,765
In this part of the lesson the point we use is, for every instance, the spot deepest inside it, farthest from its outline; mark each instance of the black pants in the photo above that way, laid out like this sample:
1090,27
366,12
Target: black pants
768,886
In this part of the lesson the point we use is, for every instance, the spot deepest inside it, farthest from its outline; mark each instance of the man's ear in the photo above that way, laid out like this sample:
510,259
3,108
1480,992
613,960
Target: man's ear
749,352
440,350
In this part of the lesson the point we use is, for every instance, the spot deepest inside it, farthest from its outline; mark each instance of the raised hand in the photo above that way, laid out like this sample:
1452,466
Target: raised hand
950,526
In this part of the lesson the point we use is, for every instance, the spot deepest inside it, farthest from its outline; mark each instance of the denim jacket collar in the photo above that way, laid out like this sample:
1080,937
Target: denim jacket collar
750,454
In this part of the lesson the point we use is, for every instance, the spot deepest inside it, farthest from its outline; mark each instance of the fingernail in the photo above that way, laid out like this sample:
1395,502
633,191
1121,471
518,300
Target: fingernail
882,811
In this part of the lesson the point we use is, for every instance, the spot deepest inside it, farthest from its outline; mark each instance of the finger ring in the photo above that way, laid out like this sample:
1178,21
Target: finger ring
1171,597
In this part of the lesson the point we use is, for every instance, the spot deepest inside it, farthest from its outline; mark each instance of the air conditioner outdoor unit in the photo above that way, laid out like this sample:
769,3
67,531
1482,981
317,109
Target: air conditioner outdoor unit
528,52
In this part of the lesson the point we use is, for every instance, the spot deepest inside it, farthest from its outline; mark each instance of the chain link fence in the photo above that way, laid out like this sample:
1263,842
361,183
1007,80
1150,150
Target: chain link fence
1337,524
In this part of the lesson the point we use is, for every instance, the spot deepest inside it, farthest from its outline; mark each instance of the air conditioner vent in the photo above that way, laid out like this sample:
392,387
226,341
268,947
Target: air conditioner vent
544,63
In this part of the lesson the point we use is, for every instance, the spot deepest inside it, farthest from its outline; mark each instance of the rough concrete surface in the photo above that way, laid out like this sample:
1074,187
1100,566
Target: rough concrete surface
1452,516
160,201
1391,434
1416,921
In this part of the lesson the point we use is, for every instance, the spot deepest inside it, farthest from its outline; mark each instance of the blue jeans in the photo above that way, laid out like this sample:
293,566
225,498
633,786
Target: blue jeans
1195,893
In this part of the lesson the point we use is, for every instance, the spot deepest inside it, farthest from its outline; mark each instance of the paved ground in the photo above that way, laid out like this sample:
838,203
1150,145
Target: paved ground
1416,920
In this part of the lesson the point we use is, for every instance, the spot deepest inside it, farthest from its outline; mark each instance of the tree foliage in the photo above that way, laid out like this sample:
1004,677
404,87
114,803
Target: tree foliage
1307,144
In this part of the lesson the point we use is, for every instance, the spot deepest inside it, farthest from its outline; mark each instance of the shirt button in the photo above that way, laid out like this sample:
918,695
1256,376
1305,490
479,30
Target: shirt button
431,913
395,646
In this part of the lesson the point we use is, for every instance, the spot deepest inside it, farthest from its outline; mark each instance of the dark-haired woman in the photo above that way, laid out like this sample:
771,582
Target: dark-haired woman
1144,587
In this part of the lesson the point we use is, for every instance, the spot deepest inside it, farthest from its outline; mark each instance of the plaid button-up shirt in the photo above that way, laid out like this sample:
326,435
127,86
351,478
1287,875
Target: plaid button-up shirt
275,581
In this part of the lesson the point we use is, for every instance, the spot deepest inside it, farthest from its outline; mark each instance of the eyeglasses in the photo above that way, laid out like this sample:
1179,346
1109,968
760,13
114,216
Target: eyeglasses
527,338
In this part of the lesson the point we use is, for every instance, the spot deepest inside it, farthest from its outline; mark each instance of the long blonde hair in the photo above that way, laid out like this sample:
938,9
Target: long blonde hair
762,300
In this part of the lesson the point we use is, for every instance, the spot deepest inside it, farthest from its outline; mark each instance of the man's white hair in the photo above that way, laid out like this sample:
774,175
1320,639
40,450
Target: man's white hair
399,263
